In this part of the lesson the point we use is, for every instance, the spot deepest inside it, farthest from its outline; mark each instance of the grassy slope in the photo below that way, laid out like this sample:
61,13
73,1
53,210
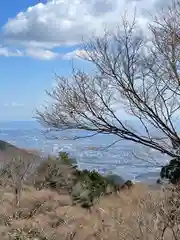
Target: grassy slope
47,215
113,217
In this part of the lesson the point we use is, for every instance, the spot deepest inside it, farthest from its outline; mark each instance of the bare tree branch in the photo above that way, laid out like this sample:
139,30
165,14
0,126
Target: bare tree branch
133,73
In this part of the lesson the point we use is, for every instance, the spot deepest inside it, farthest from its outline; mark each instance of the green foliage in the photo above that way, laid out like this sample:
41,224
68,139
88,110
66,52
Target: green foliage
83,186
171,171
128,183
65,159
89,185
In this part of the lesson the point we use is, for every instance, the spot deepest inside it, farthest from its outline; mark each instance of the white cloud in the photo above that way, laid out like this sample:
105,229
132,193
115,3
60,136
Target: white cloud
4,51
59,22
76,54
37,53
41,54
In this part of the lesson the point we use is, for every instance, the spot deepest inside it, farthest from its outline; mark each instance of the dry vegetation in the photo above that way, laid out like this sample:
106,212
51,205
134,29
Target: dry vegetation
140,212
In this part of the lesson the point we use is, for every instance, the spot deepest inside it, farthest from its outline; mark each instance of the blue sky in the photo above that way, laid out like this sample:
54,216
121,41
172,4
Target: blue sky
40,38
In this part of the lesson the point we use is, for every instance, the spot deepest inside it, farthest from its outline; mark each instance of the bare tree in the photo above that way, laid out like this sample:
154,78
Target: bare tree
14,174
132,72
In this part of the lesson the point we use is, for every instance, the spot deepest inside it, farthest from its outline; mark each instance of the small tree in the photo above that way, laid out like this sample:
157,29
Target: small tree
14,174
57,174
132,72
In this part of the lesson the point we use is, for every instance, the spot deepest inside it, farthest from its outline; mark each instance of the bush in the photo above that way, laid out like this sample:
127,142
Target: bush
65,159
171,171
89,186
84,186
61,175
52,174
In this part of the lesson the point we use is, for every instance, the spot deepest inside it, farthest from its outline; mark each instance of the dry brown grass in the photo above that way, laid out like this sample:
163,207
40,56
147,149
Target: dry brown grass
140,212
44,214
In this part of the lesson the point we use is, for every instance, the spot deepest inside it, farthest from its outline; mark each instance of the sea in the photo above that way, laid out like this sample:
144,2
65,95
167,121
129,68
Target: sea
104,153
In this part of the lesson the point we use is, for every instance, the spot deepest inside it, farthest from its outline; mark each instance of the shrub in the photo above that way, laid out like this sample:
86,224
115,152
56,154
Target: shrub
89,185
65,159
53,174
84,186
171,171
61,175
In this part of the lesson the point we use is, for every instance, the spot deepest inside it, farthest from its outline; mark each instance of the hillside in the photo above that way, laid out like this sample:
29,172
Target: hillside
46,215
9,151
44,208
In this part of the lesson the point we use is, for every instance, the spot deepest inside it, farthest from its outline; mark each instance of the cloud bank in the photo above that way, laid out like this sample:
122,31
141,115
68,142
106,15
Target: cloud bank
58,23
